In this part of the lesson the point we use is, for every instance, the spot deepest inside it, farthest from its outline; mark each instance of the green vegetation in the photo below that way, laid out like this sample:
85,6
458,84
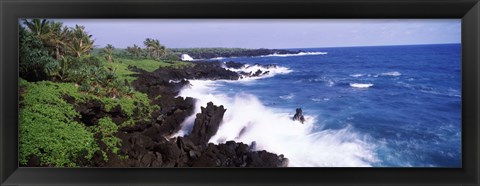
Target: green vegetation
138,101
154,49
201,51
48,125
108,51
59,63
48,49
48,128
106,129
149,65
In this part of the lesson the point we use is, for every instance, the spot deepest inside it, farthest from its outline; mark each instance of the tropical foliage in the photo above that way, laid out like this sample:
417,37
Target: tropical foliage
106,129
135,51
58,61
35,61
48,129
50,50
108,51
154,49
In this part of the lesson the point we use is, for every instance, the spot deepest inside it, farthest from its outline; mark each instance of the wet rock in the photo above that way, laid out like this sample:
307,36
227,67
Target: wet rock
299,116
265,159
207,123
232,154
172,154
173,113
232,64
257,73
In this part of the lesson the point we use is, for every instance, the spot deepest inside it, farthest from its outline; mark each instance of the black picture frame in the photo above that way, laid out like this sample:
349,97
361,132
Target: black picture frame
467,10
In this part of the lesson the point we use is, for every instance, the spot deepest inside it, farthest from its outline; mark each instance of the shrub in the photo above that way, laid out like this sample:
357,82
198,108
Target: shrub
48,129
106,129
35,62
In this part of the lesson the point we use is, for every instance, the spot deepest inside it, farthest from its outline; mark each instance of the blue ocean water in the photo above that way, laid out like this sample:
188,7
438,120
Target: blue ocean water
403,100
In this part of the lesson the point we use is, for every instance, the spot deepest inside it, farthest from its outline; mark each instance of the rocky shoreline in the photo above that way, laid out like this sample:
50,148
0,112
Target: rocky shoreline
150,144
210,53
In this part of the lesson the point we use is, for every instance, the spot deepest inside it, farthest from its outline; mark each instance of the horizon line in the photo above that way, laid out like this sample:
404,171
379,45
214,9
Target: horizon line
283,48
351,46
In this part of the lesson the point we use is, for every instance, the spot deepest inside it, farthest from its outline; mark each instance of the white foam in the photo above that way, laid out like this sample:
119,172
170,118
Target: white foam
357,75
288,96
391,74
330,83
274,130
251,69
217,58
186,57
361,85
298,54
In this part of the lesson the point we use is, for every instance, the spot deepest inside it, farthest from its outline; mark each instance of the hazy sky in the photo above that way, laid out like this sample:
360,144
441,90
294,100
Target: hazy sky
273,33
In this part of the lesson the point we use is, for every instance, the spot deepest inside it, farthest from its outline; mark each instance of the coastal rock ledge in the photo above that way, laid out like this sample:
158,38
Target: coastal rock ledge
146,150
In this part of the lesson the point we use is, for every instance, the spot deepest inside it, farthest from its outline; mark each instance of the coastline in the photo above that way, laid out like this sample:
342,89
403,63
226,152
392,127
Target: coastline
155,144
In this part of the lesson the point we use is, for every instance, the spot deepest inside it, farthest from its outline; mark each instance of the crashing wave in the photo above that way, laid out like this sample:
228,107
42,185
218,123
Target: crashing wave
248,120
186,57
258,71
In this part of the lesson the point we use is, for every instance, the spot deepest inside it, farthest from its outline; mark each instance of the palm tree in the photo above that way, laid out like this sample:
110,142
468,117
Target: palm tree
148,46
56,37
36,26
108,51
154,48
135,50
80,42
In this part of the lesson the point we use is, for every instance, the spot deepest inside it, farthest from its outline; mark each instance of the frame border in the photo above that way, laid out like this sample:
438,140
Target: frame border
467,10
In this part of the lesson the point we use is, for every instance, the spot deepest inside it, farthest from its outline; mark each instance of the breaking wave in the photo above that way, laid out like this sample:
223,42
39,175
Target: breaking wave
248,120
252,69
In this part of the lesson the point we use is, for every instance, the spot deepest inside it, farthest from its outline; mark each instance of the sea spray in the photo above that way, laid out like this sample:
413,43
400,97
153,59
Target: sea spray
247,120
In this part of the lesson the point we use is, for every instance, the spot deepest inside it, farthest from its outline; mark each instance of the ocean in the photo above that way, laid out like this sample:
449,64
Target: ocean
385,106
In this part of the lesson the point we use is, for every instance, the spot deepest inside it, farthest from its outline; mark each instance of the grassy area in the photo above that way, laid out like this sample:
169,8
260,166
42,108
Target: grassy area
149,65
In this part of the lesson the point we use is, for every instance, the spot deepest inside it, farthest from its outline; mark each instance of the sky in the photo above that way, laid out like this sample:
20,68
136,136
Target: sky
270,33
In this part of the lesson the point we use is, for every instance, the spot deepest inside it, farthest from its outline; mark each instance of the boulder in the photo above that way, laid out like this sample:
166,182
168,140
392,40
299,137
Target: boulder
232,64
265,159
299,116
